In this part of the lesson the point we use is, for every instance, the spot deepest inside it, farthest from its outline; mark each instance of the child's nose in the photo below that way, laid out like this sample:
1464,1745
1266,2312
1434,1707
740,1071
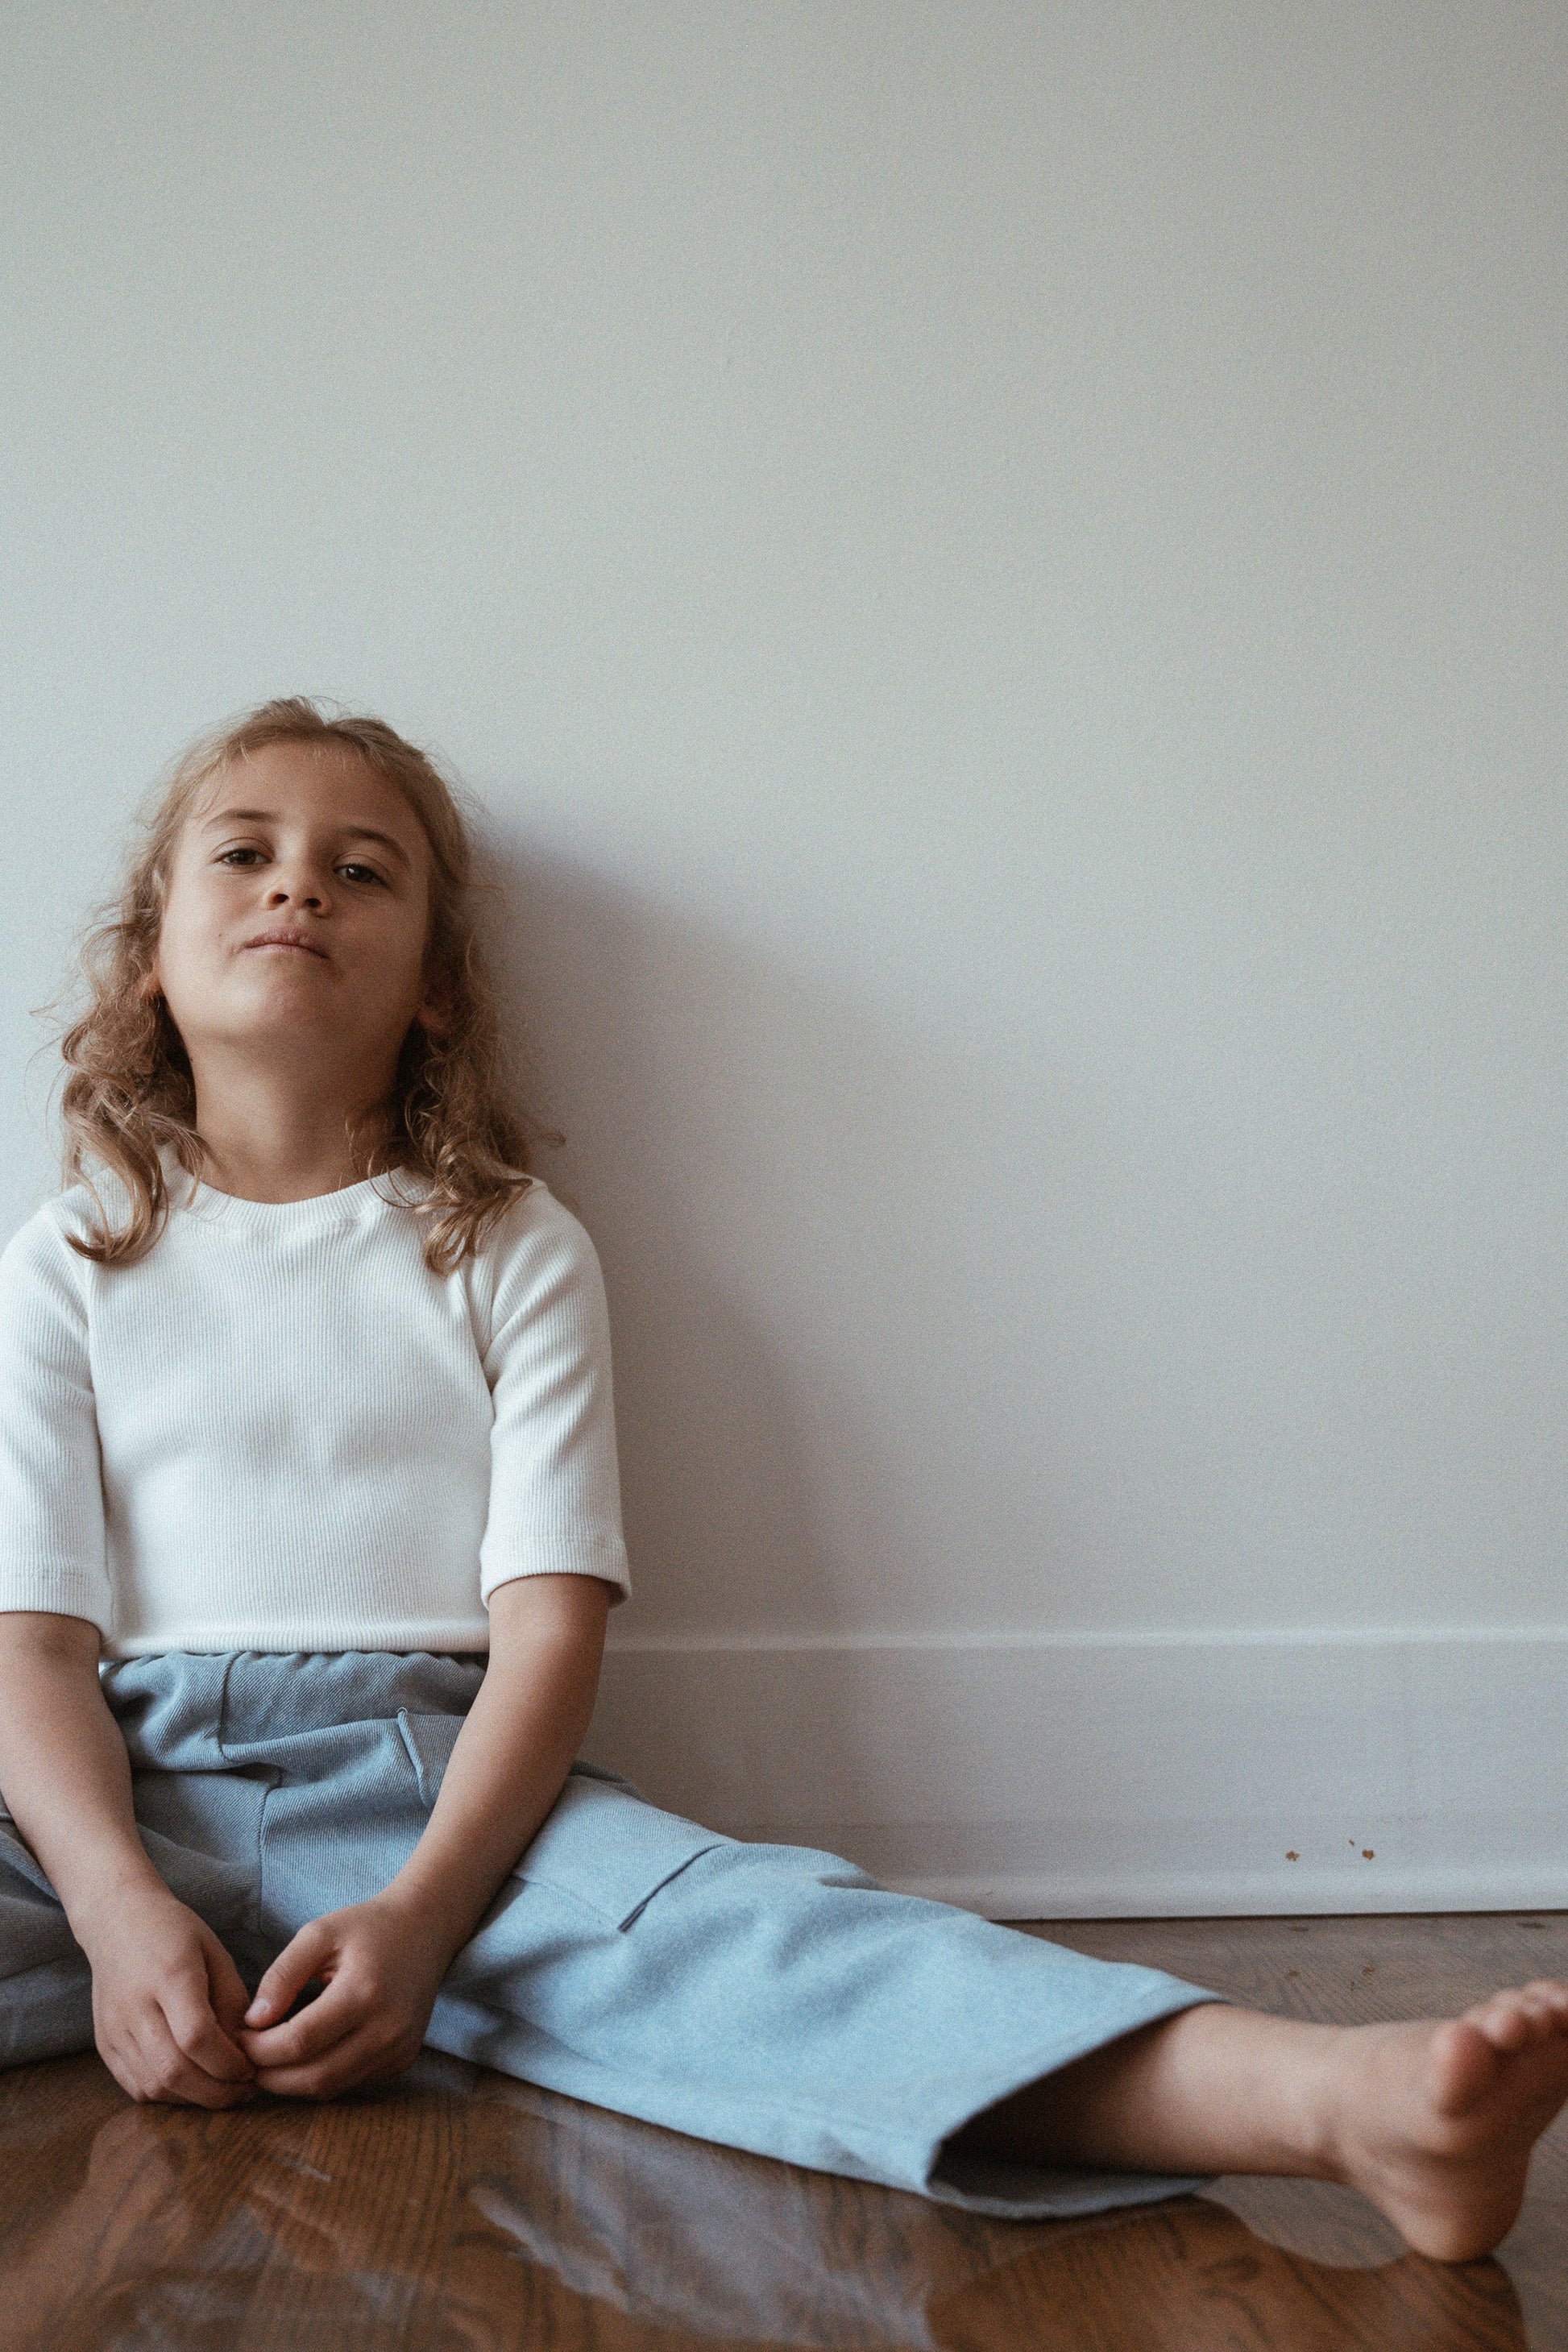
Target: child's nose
298,890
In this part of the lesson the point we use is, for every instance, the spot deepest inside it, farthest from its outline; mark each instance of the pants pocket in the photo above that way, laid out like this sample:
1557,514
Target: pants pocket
429,1739
601,1842
609,1848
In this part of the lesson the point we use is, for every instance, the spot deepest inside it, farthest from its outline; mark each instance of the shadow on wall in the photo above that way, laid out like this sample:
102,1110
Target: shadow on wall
851,1322
682,1076
716,1118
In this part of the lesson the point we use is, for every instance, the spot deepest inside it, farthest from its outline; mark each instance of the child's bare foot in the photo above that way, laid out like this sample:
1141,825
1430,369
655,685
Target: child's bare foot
1436,2123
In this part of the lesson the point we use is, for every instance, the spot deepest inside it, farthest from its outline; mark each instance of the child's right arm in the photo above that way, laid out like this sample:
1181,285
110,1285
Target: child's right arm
166,1997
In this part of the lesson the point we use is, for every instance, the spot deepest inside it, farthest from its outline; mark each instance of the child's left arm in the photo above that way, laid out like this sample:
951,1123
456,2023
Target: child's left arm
382,1962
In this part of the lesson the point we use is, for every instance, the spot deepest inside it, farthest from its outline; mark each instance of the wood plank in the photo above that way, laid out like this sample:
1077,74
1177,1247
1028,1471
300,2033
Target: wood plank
457,2211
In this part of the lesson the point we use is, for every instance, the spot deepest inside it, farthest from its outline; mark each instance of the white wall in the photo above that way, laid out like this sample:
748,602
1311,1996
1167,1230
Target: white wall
1000,571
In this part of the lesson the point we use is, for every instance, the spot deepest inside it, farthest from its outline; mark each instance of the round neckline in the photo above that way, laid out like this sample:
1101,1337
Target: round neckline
347,1205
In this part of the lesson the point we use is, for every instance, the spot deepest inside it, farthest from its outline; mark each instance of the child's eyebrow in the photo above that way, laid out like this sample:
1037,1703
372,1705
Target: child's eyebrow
269,816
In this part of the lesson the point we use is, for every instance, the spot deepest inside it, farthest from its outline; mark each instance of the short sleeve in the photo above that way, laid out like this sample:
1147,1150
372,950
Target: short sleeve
554,1495
53,1552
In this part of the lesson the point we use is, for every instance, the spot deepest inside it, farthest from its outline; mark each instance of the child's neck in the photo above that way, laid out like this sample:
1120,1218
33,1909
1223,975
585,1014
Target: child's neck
266,1144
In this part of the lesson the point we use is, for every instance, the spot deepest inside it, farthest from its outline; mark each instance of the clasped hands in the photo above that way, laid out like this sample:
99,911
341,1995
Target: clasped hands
173,2020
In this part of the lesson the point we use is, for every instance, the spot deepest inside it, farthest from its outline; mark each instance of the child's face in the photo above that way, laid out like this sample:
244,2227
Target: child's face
312,843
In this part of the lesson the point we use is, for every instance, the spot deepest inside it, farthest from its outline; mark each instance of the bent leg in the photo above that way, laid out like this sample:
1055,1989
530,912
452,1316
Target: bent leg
46,1986
775,1998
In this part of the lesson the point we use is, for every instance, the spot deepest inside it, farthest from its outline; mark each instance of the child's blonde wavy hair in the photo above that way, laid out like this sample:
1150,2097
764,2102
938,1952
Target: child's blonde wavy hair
129,1094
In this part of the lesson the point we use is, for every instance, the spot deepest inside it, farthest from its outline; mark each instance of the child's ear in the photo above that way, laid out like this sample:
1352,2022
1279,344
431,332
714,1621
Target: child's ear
432,1021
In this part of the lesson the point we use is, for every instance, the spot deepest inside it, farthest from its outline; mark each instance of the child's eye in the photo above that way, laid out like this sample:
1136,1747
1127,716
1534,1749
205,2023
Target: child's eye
243,855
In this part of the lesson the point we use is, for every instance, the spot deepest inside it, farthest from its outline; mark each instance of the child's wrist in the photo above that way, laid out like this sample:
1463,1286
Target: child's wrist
95,1908
436,1914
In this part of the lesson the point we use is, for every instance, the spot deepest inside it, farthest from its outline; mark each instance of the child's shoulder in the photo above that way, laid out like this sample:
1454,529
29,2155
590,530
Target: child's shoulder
76,1211
99,1202
38,1254
535,1225
537,1255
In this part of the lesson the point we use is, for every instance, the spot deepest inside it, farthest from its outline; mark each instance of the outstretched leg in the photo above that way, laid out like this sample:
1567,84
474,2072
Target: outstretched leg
1435,2121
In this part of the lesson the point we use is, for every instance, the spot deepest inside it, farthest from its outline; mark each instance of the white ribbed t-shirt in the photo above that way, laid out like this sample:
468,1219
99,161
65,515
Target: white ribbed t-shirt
280,1431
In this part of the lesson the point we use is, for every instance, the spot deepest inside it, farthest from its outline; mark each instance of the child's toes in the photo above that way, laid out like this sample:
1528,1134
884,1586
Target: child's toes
1546,2005
1500,2020
1466,2057
1540,2022
1532,1999
1510,2020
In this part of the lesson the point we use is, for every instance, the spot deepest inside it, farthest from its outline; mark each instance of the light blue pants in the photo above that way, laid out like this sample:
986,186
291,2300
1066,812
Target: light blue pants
766,1997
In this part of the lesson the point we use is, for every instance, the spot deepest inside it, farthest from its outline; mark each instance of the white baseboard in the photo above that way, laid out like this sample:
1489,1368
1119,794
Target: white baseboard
1125,1776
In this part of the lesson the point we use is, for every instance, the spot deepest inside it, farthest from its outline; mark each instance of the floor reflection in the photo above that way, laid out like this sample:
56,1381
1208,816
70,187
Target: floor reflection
461,2211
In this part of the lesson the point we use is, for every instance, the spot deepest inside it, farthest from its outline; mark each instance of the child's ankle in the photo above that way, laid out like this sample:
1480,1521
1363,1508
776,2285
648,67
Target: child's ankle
1290,2087
1331,2073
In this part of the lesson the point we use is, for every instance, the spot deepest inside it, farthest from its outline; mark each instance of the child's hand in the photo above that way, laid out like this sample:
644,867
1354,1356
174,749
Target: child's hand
167,2001
380,1965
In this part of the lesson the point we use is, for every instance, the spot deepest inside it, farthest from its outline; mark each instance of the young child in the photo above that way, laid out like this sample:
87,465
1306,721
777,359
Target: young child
310,1529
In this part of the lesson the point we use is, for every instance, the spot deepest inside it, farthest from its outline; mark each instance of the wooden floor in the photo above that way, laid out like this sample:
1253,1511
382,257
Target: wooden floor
461,2212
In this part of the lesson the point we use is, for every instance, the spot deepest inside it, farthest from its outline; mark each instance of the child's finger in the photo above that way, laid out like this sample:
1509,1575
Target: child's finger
290,1972
197,2035
318,2028
363,2055
159,2070
225,1989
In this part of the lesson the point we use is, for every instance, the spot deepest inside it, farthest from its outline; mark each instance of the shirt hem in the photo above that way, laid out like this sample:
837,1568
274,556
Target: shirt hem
300,1640
59,1598
608,1570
